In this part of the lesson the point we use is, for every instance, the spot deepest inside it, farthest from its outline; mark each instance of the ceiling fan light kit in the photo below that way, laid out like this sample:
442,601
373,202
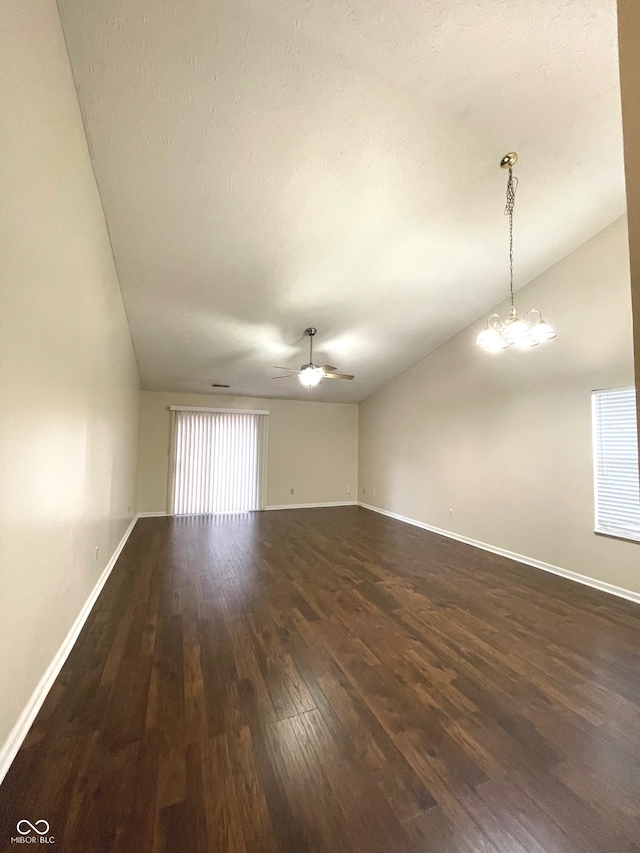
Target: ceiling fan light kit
513,332
311,374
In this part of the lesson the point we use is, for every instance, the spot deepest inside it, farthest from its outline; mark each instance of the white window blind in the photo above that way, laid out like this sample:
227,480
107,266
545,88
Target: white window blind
218,462
615,452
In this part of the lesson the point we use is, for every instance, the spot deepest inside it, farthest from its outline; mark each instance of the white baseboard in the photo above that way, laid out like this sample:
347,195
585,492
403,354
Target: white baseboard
10,748
151,514
619,591
309,506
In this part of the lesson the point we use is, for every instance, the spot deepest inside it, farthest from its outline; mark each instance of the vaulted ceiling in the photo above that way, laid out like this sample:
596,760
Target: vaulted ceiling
266,165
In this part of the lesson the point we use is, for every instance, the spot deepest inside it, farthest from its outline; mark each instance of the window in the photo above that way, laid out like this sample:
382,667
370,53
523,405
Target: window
218,461
615,462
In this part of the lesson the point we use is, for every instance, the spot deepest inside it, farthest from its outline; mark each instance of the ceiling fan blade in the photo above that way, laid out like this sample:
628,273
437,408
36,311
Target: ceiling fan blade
337,376
291,369
289,376
328,368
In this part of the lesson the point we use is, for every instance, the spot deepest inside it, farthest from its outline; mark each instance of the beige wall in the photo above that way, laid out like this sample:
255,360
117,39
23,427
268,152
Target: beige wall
629,44
68,377
505,439
313,448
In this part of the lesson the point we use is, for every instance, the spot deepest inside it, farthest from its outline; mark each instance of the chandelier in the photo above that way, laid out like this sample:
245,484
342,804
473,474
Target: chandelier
514,331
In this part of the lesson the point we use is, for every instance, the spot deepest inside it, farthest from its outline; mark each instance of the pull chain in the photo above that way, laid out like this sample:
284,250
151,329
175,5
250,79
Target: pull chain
512,185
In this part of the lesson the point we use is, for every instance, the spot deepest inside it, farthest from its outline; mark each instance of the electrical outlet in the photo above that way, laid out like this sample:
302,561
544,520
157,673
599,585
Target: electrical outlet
450,513
97,553
348,490
364,491
374,493
129,509
293,491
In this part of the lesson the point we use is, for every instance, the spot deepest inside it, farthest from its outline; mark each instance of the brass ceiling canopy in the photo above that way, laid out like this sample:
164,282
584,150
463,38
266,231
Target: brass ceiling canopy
509,160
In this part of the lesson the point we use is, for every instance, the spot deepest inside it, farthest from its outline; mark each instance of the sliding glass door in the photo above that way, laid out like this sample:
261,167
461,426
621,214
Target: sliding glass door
218,462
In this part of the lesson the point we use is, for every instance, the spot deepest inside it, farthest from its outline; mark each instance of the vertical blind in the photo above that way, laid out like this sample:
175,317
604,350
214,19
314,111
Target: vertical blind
615,453
218,462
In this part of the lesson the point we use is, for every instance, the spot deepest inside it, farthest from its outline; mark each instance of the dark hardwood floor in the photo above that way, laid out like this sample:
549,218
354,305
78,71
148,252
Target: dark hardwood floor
333,680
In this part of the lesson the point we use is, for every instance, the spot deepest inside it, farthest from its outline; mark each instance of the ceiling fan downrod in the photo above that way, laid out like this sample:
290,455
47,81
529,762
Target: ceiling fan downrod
311,331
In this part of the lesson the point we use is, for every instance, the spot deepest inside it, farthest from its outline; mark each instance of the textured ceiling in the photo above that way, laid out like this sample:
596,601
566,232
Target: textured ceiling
266,166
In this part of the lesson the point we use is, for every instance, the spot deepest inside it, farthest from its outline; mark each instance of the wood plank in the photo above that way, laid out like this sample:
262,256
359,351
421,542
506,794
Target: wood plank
333,681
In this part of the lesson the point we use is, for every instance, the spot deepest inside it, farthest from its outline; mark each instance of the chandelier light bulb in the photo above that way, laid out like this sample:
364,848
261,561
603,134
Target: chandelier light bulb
486,337
490,340
525,343
514,332
496,346
542,331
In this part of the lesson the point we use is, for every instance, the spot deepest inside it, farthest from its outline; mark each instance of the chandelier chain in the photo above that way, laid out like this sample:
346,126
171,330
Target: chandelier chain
513,331
512,185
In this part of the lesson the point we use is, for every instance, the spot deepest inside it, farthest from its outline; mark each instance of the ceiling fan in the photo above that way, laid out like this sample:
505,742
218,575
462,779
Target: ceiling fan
311,374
